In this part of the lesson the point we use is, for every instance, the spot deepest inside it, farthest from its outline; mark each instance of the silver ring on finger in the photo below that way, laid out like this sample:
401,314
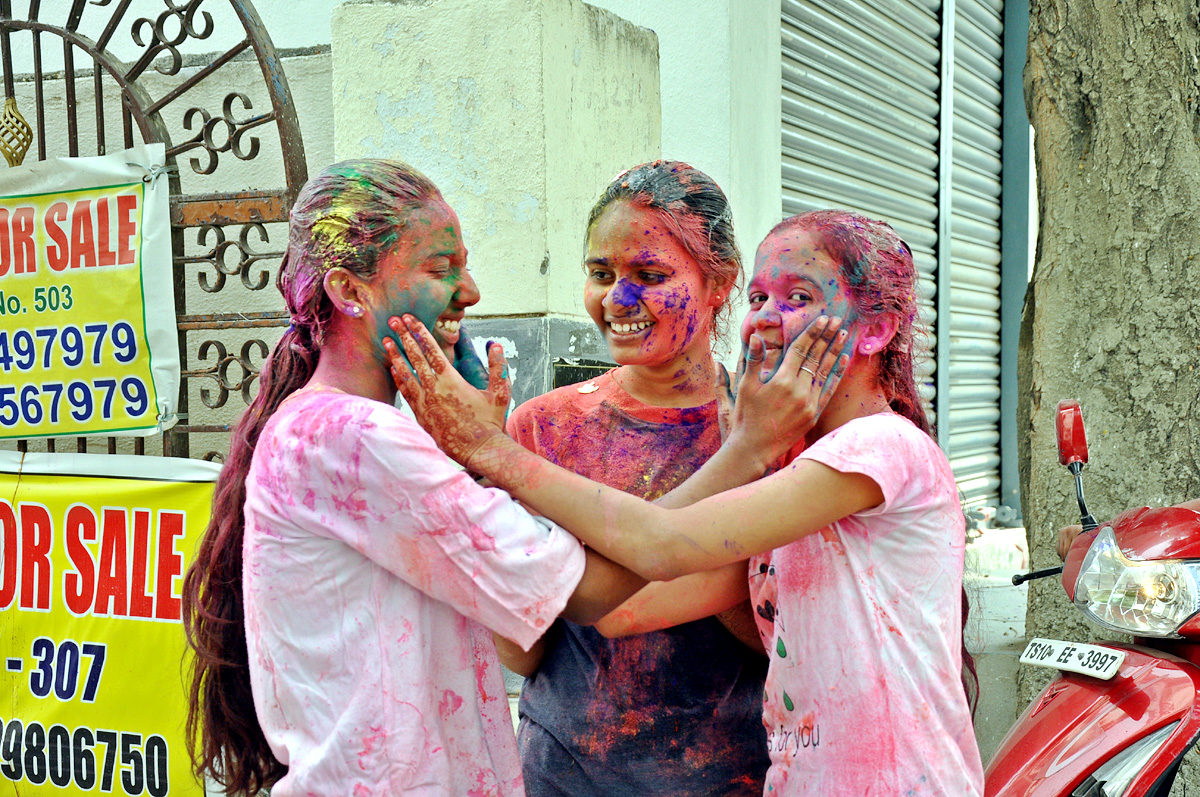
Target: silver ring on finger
810,371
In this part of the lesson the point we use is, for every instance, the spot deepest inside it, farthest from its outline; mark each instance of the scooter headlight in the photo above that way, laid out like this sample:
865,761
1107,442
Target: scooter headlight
1141,598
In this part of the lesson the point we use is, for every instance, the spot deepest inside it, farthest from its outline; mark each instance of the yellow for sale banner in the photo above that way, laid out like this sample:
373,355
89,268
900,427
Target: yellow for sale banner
87,334
93,549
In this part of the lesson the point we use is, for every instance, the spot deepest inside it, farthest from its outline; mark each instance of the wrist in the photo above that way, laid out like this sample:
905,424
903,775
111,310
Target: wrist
752,455
487,441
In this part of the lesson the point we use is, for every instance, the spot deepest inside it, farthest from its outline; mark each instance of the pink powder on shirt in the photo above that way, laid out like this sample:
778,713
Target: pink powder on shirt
443,504
369,742
450,703
408,632
483,778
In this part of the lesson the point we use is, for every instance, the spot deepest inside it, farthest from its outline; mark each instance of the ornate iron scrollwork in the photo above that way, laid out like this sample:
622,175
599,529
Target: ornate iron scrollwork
234,130
219,372
184,15
217,257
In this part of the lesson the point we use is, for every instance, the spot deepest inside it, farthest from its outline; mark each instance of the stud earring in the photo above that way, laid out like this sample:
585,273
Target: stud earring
354,310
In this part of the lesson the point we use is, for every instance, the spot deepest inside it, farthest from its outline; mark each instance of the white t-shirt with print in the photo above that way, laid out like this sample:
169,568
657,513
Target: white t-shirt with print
864,695
375,571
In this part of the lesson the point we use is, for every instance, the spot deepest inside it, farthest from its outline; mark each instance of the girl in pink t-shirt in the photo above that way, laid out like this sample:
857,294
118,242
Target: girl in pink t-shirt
343,598
857,540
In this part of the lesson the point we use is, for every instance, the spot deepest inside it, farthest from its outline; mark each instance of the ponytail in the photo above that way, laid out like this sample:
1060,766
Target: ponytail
231,747
348,217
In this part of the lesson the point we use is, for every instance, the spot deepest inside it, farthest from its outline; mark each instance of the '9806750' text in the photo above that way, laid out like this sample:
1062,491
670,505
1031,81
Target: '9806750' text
88,758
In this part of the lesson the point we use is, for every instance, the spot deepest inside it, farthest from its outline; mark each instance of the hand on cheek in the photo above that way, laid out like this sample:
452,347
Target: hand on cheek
459,417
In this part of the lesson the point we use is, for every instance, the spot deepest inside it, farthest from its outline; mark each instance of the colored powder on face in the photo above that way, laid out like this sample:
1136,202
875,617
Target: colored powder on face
626,294
423,300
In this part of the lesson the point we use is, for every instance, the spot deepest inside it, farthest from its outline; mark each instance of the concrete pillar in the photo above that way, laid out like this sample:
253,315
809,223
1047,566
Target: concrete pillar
721,97
521,111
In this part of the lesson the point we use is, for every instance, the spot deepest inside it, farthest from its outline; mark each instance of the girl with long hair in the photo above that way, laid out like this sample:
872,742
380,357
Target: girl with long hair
612,716
342,600
856,544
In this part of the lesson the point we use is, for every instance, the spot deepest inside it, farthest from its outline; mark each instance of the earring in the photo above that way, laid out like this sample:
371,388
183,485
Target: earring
866,347
354,310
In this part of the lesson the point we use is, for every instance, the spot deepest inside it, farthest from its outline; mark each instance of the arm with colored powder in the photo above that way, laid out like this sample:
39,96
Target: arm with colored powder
724,592
655,542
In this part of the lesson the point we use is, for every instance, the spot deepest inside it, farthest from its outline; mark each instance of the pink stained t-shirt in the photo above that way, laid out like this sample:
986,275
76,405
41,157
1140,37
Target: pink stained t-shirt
374,571
862,621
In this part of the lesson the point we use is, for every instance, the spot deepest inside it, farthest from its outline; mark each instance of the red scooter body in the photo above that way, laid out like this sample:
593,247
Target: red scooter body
1080,722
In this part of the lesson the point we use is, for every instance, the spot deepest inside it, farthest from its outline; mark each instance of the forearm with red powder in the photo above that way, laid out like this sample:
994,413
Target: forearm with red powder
620,526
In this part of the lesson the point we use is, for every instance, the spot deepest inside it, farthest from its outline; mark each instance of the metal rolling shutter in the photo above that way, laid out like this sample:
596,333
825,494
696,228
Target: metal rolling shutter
861,102
860,105
974,444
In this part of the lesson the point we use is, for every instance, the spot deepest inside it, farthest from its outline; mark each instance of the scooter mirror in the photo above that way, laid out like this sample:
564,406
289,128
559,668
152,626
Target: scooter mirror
1072,440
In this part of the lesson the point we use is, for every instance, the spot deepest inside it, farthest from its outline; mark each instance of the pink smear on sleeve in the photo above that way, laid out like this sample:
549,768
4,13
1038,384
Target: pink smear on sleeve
445,506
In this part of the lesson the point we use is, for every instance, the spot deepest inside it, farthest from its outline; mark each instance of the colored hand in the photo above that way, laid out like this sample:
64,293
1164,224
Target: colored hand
725,393
459,417
467,362
772,412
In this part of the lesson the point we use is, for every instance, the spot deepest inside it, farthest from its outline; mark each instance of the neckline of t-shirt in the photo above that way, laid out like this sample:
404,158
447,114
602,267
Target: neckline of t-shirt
613,394
308,390
886,412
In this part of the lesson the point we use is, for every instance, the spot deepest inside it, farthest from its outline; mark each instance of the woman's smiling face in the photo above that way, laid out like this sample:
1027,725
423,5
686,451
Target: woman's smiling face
425,274
645,291
794,282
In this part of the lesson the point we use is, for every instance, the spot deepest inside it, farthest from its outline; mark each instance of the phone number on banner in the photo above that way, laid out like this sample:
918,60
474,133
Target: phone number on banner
87,758
23,351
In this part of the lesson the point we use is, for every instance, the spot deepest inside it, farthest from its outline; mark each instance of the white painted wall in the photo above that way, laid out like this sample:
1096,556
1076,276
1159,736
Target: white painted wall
719,87
719,63
521,111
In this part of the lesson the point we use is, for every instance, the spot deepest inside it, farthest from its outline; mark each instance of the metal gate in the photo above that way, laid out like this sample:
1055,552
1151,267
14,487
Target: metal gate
203,78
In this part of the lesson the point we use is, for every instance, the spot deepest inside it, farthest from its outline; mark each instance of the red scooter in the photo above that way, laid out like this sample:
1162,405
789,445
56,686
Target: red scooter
1117,719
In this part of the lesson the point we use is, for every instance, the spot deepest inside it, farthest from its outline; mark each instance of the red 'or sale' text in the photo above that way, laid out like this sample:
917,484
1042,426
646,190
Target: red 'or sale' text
121,562
78,235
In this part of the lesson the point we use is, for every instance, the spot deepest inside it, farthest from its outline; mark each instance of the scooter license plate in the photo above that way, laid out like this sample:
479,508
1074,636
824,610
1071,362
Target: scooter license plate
1094,660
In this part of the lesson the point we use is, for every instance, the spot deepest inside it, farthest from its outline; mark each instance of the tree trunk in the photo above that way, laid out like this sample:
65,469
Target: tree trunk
1110,317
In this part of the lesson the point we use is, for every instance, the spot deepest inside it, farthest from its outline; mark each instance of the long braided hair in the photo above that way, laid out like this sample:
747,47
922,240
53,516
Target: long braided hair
347,217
